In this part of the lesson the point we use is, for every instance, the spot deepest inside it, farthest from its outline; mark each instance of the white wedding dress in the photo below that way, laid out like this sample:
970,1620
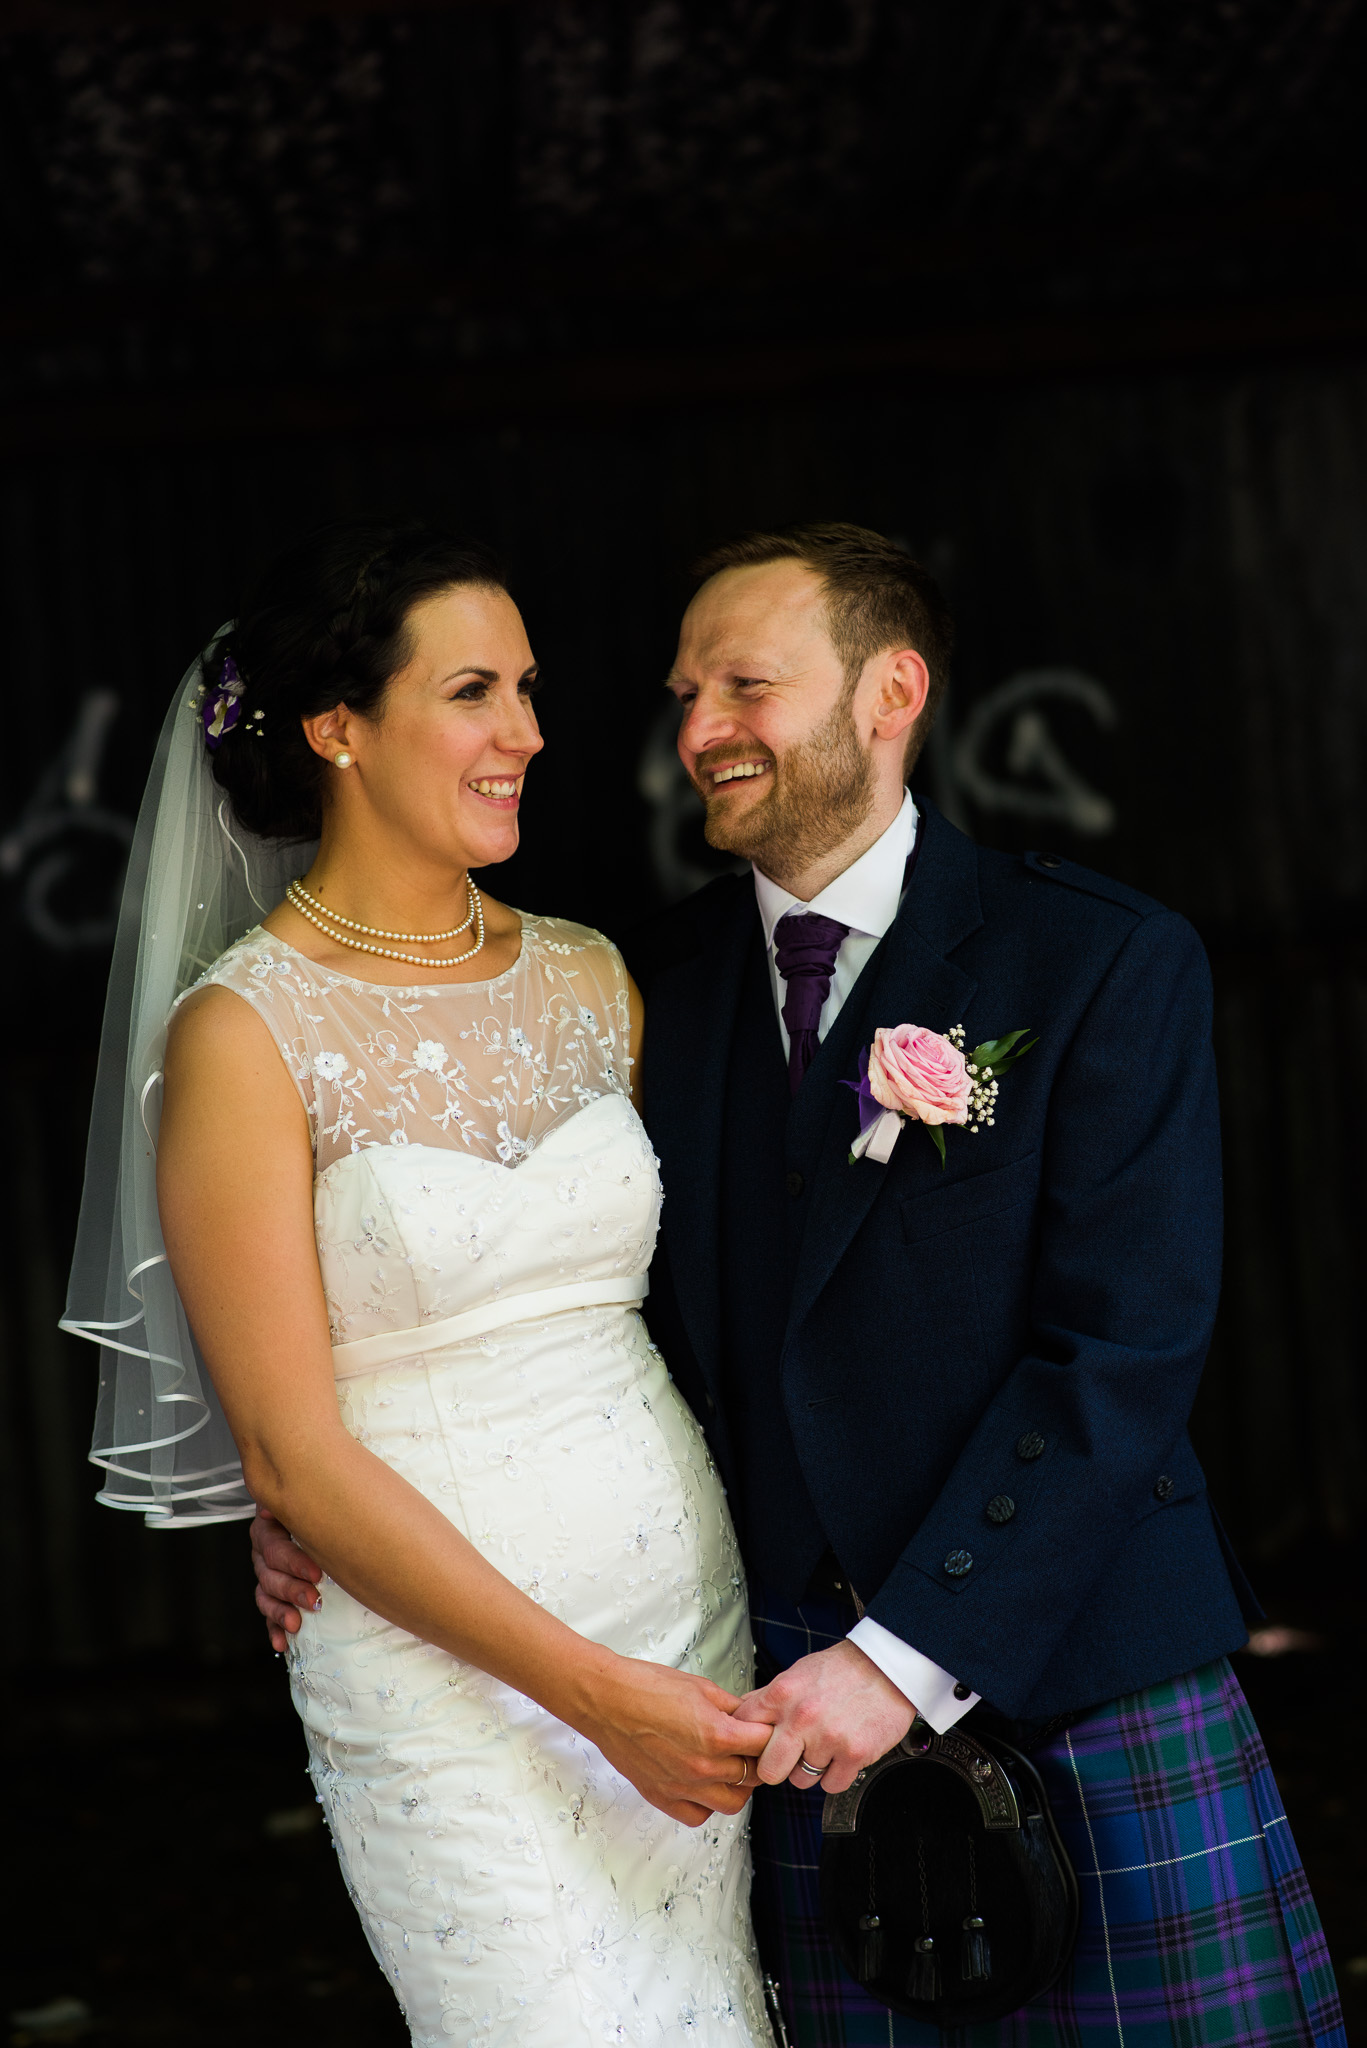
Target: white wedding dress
478,1159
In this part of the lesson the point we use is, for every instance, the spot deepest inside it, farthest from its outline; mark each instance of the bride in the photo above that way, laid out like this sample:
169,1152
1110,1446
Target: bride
406,1207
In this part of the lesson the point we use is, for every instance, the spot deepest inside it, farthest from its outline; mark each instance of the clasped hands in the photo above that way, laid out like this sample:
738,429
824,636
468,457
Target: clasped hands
690,1747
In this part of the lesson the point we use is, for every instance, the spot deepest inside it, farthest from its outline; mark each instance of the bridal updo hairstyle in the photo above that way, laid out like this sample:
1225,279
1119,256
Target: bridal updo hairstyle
326,623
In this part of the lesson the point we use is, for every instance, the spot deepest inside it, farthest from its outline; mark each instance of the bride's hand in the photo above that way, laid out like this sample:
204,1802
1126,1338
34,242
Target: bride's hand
286,1579
677,1737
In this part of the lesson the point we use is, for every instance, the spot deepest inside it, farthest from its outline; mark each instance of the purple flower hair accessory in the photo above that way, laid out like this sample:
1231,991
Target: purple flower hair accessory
222,707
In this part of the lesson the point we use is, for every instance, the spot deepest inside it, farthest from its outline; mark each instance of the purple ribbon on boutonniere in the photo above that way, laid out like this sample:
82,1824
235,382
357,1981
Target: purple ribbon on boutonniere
879,1128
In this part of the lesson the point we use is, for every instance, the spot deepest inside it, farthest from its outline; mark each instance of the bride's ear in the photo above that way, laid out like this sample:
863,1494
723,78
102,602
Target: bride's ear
331,733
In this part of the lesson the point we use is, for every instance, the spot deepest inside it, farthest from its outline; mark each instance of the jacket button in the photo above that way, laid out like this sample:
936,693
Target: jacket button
1031,1445
794,1183
1049,860
962,1691
958,1562
1000,1508
1164,1488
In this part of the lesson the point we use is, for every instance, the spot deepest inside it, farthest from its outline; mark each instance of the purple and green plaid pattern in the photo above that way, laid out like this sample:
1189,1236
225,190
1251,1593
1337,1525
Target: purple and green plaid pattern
1198,1928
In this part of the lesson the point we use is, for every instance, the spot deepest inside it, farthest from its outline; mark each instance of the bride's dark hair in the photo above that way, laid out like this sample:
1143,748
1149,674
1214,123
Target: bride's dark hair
325,623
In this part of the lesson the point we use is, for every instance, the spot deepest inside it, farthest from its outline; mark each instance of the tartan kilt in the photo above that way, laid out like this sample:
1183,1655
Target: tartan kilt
1197,1925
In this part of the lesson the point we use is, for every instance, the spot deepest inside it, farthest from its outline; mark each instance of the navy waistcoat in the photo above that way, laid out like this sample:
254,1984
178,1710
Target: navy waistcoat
781,1535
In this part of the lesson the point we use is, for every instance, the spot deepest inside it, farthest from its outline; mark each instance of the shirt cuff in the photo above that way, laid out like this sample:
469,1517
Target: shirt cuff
933,1693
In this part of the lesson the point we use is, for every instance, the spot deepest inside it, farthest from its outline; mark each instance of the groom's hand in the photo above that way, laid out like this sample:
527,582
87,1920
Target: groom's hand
834,1708
286,1580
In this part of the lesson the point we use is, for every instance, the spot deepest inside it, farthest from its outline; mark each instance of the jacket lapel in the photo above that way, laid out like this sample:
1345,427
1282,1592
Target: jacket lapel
690,1024
908,980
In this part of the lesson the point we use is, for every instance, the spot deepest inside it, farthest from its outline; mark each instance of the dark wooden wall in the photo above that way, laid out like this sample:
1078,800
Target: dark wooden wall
1148,502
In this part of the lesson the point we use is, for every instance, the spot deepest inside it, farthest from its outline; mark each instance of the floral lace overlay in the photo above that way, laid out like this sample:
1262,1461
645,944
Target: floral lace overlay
477,1145
491,1066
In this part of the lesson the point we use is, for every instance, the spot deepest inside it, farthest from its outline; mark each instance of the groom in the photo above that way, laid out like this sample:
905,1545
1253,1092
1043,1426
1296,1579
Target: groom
950,1399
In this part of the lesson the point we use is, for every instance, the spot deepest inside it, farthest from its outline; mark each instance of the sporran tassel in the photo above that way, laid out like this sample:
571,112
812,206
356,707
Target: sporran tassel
923,1978
975,1958
870,1932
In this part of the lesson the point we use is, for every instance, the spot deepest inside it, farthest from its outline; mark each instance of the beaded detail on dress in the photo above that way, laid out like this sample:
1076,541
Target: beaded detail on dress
490,1066
474,1144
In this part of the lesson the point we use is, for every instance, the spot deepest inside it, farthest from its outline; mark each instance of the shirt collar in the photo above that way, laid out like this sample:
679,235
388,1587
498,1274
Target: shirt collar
866,896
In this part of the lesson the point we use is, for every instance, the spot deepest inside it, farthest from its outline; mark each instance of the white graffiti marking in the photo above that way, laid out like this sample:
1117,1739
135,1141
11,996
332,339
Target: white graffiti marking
62,828
1050,790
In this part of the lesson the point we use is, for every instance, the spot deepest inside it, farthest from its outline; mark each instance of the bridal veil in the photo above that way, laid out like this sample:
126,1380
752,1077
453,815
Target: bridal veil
196,882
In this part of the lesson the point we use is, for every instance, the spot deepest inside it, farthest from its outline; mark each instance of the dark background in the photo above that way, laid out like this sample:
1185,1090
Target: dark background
1069,294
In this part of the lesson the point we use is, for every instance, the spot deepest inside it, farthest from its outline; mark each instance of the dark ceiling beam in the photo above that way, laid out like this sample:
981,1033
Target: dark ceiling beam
519,280
603,384
86,17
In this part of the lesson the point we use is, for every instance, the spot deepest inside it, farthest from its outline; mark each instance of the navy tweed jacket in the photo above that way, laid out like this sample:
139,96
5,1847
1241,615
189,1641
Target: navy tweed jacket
1026,1325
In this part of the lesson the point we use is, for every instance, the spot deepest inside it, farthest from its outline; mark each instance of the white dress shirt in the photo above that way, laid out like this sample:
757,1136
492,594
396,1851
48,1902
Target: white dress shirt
867,898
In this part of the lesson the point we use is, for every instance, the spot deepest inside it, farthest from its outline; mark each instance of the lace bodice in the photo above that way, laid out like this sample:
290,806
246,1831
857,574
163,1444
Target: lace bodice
488,1067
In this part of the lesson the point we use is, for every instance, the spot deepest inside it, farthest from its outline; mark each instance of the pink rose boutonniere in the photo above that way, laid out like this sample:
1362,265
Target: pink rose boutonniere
927,1077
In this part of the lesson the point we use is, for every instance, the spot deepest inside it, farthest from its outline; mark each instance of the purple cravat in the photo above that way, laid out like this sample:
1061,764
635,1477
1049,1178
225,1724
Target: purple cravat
805,946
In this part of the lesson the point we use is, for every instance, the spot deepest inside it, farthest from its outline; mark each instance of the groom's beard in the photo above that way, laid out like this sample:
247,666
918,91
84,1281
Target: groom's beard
822,791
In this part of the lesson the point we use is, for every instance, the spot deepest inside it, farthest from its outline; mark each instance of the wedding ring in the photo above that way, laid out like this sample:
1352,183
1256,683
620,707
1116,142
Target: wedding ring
744,1774
813,1770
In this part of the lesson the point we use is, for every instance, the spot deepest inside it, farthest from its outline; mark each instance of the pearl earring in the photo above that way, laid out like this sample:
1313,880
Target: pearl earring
342,760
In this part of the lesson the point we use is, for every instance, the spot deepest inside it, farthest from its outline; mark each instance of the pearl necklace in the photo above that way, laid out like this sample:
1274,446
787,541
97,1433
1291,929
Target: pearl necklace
297,895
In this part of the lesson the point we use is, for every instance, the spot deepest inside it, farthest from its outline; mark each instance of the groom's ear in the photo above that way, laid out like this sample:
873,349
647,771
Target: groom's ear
901,686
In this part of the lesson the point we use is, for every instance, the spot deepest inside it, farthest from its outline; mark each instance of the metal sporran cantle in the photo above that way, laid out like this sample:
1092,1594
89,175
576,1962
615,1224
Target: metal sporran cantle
945,1885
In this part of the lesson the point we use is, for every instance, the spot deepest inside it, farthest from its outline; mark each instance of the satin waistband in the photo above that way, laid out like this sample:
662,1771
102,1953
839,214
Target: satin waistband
391,1345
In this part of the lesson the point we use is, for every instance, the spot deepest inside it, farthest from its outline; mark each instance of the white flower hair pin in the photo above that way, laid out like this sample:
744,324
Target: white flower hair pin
910,1073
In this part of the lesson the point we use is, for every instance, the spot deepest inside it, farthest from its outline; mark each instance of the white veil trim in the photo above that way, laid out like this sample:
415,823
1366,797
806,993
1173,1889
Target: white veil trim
196,882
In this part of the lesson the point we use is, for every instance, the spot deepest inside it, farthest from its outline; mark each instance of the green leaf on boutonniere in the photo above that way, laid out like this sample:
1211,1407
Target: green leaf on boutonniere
937,1139
998,1053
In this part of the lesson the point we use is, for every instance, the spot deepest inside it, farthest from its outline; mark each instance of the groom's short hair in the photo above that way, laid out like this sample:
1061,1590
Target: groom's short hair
877,596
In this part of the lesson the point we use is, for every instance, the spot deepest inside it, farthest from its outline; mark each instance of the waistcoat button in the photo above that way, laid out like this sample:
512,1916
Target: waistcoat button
1000,1508
1029,1446
1050,860
1164,1488
958,1562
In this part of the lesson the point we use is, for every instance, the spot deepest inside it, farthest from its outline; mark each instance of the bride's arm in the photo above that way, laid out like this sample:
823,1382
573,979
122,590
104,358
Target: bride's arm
637,1012
235,1192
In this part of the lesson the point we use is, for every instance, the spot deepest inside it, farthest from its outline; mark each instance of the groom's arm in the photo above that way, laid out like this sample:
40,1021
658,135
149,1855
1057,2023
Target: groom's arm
1122,1302
1123,1299
939,1698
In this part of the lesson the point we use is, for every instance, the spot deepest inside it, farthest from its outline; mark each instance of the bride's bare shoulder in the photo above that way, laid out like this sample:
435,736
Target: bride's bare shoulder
213,1032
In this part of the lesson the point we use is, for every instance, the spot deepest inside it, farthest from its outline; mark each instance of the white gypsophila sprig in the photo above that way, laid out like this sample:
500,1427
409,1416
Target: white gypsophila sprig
983,1099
